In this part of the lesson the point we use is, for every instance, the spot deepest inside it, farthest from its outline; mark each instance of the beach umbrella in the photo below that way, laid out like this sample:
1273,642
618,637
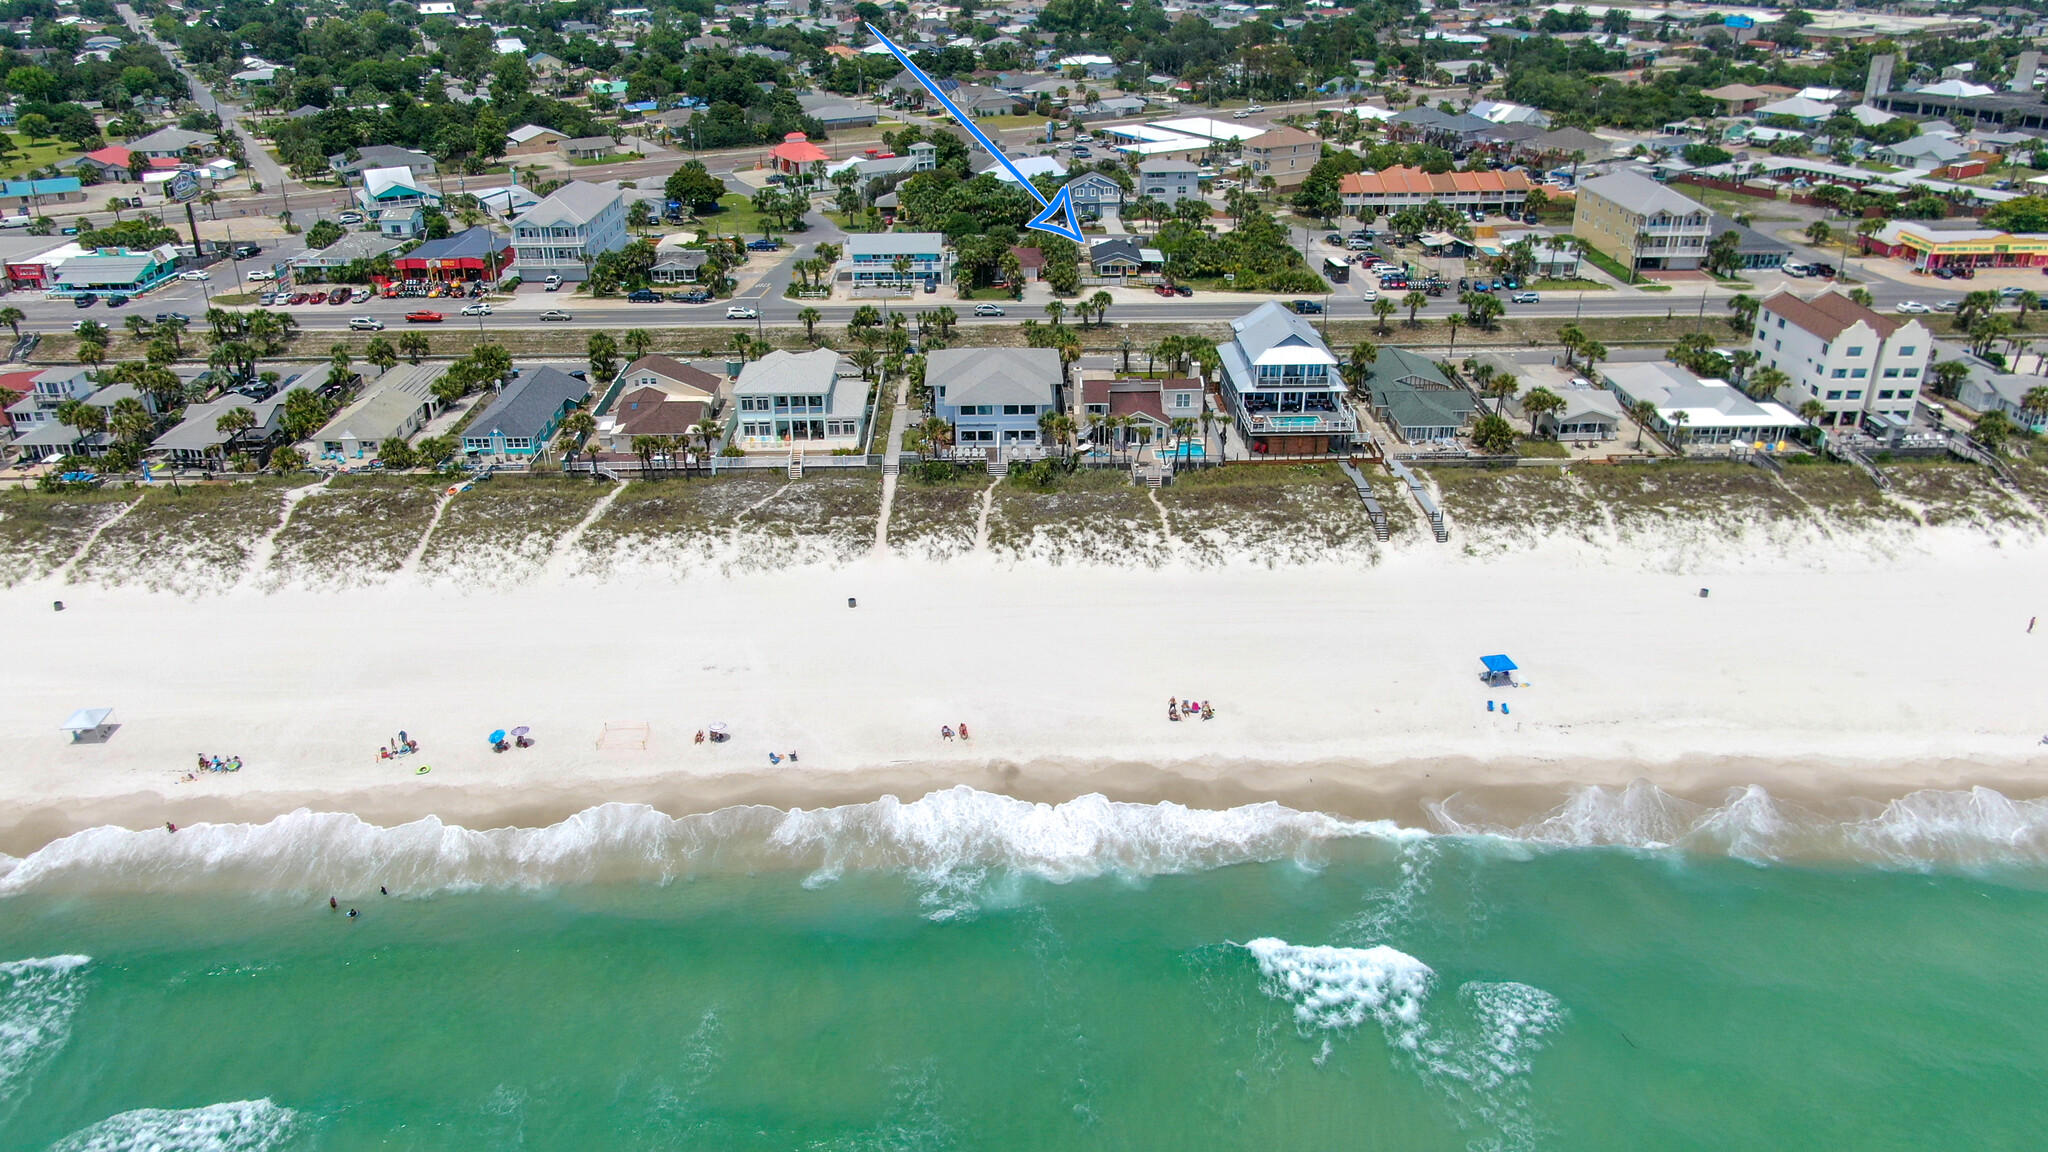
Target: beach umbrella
497,737
521,730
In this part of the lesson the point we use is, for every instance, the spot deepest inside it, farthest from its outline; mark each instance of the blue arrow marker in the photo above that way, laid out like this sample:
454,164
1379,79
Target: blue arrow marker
1059,208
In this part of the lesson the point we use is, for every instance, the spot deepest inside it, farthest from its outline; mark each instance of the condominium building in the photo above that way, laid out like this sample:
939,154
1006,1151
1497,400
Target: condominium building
565,233
1641,223
1849,358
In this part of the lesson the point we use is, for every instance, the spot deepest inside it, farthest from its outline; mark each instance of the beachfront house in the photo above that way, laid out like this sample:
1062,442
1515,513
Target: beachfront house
1692,412
1851,359
994,397
871,261
198,439
810,401
649,412
519,422
1415,399
1126,410
50,388
395,407
674,378
1281,386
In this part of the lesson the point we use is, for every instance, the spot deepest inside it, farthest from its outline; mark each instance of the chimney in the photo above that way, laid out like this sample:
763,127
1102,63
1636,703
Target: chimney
1880,81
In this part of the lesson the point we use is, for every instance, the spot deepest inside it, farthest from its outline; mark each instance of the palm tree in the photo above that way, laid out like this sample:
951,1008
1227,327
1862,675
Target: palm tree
2035,401
413,346
810,317
1861,296
2026,301
92,353
1414,302
1538,403
1454,319
1642,412
1499,388
1057,310
1766,382
1383,308
1573,338
1099,304
1679,419
12,317
233,423
638,340
1812,411
937,435
1594,352
380,352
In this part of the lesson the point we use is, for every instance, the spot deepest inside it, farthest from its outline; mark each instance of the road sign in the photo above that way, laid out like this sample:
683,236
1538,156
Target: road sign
1058,217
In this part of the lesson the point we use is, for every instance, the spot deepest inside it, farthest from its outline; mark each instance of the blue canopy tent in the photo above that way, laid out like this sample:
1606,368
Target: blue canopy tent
1498,671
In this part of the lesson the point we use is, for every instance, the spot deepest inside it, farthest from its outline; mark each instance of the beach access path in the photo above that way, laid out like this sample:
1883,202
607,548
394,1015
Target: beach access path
1345,688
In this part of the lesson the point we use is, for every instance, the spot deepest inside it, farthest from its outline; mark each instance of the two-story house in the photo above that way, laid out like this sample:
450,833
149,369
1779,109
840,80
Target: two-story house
565,233
1849,358
813,401
1641,223
871,260
1285,154
994,397
396,201
1281,385
1169,181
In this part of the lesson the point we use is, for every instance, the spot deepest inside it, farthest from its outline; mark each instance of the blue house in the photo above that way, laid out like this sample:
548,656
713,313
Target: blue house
994,397
870,258
115,270
520,420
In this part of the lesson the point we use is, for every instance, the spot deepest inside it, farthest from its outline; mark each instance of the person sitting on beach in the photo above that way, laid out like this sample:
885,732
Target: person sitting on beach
792,756
700,735
217,765
946,731
412,745
202,761
1208,713
773,758
963,729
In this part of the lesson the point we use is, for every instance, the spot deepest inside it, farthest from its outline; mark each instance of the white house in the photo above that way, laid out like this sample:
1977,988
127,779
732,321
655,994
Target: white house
1693,411
563,234
1281,383
786,401
1849,358
395,200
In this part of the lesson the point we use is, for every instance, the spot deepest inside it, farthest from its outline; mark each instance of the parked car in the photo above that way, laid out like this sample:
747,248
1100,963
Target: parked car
1239,114
1183,290
317,298
1334,239
1913,308
742,312
295,298
1358,244
988,309
691,296
1525,298
366,324
478,309
1162,290
194,275
551,283
244,251
267,299
765,244
554,314
1083,152
360,295
424,317
338,297
350,218
644,296
1306,307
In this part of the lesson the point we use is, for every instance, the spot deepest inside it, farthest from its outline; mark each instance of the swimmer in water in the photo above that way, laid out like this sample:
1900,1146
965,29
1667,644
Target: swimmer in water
332,903
351,913
384,890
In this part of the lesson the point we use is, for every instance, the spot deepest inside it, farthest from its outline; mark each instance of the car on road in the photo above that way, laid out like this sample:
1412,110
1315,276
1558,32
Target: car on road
167,317
1239,114
1256,108
260,275
644,296
1306,307
366,324
350,218
79,325
765,244
555,314
551,283
194,275
424,317
477,309
1368,295
1913,308
988,309
1525,298
742,312
1949,306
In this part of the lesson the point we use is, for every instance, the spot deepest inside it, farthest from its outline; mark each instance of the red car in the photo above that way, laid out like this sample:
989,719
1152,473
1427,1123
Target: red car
317,298
297,298
423,317
1164,290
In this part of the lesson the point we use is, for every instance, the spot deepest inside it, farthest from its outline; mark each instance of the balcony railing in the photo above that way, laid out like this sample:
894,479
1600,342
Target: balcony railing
1300,423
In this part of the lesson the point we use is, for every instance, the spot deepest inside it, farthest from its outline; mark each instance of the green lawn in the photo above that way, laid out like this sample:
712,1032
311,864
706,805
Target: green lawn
1608,264
735,214
1569,286
1543,449
27,157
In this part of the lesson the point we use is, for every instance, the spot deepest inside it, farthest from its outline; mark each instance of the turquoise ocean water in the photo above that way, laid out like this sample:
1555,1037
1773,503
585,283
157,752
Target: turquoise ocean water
969,972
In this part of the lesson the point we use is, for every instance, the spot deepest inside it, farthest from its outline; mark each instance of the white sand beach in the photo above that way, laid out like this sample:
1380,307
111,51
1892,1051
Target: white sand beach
1347,689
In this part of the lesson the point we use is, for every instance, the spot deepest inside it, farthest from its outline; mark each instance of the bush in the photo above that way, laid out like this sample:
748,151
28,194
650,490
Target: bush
935,471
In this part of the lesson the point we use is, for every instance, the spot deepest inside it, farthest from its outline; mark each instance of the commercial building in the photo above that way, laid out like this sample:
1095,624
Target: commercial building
566,233
1640,223
1849,358
322,264
115,270
1929,245
1391,189
394,200
472,254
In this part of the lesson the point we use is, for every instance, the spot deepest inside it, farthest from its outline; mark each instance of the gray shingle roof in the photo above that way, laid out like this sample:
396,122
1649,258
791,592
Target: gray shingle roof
525,409
995,375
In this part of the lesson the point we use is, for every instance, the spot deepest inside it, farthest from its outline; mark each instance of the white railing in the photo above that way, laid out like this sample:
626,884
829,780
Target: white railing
1307,423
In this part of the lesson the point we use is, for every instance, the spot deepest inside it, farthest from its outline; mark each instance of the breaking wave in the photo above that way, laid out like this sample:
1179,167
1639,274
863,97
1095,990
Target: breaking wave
238,1126
1975,828
953,842
949,841
38,997
1477,1054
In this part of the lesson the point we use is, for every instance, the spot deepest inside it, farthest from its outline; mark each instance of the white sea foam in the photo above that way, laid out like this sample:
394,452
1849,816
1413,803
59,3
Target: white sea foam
950,841
237,1126
1342,988
38,997
1479,1057
1976,828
